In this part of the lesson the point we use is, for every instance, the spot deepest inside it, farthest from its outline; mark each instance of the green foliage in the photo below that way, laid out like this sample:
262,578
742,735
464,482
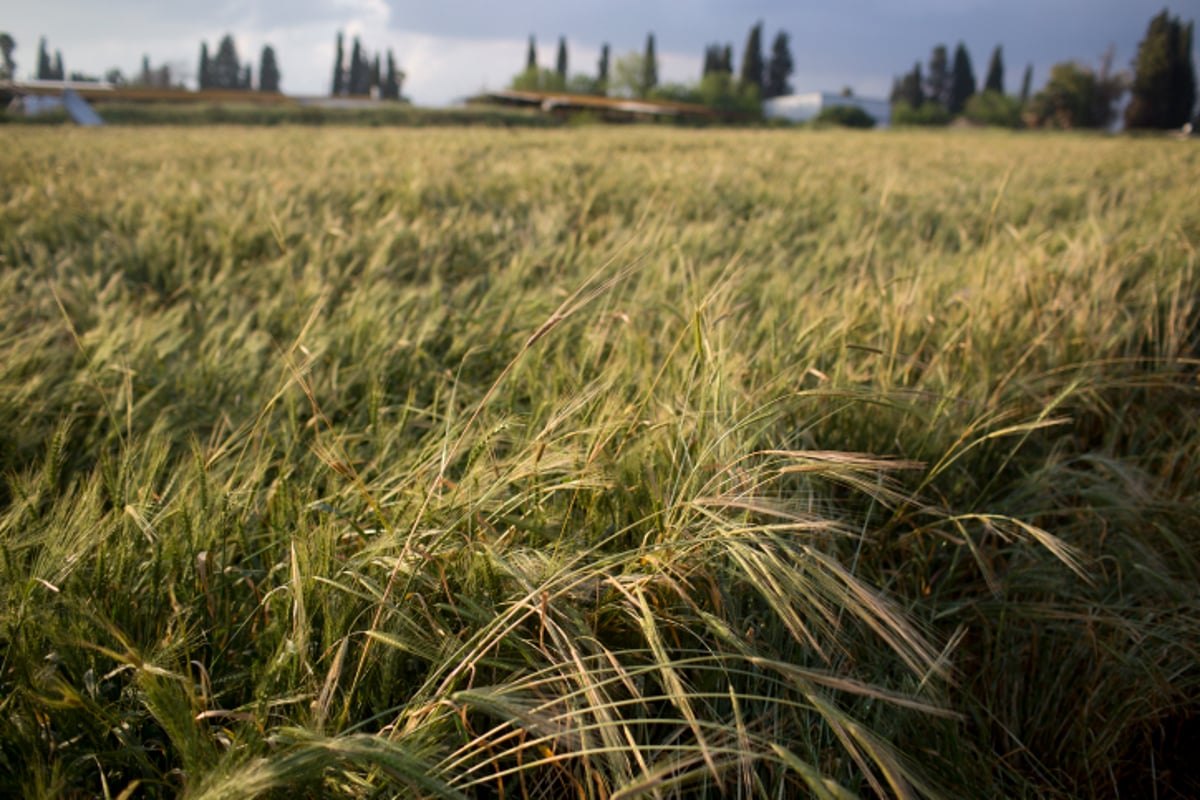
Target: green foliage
1164,82
8,67
629,76
720,92
339,68
1076,97
560,64
268,71
994,82
531,465
1026,84
779,68
538,80
753,68
939,79
649,68
909,90
962,81
602,69
844,117
930,114
994,109
225,70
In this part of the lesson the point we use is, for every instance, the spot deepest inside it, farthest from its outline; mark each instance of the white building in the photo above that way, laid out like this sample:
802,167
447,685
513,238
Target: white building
803,107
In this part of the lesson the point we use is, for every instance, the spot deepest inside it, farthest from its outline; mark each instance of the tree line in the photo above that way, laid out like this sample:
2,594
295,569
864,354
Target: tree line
635,75
363,77
1162,87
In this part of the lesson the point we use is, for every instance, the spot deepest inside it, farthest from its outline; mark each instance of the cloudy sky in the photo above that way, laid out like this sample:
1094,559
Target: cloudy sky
453,48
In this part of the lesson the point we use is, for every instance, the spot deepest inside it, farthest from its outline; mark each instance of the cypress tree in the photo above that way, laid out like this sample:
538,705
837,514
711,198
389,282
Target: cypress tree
727,60
649,66
377,75
45,70
360,71
602,69
995,74
752,60
531,56
225,70
202,78
391,84
57,69
938,87
339,72
560,64
962,80
1164,83
268,71
910,88
1026,84
779,68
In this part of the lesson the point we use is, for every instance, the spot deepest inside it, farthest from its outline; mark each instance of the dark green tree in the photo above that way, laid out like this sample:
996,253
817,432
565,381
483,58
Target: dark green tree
602,70
752,60
45,70
57,70
225,70
359,83
531,55
202,78
560,63
377,76
962,80
1077,96
727,60
649,66
910,88
1164,82
937,87
339,69
994,82
268,71
779,68
391,79
1027,84
7,45
712,59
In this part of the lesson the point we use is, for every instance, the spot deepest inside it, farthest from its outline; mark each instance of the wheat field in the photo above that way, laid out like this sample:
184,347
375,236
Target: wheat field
598,463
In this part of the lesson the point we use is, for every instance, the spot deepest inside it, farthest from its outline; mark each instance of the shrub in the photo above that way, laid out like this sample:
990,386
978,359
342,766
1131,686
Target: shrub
995,109
845,117
929,114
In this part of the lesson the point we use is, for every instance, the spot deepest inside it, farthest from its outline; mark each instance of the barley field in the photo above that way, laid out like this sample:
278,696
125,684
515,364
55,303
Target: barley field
598,463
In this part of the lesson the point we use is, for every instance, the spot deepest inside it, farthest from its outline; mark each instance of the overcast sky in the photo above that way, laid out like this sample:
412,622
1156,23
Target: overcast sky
453,48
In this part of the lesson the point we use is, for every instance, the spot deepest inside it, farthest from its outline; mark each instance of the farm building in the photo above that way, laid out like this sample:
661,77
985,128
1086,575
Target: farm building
803,107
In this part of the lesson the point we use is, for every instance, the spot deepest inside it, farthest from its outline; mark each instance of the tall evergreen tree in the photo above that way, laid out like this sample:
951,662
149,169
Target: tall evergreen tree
268,71
910,88
649,66
7,46
339,70
779,68
377,76
57,70
202,78
962,80
531,55
1164,82
937,88
752,59
560,64
712,59
1026,84
995,74
360,71
225,70
45,70
246,82
602,69
727,60
391,83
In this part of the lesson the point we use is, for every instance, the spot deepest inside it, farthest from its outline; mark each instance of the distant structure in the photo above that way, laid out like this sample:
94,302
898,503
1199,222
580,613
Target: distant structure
803,107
